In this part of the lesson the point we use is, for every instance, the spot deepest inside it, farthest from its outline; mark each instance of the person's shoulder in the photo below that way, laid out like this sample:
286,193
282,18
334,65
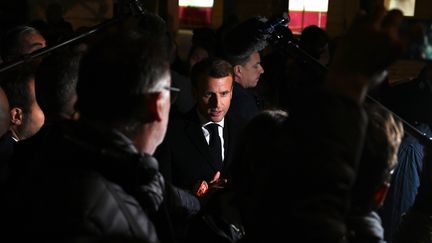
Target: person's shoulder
179,122
234,120
238,90
188,116
102,197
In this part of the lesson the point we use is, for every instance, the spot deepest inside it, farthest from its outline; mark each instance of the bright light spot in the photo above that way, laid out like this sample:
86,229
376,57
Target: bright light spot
309,5
407,6
196,3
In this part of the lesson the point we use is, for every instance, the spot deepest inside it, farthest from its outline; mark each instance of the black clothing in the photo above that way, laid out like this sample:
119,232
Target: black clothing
215,145
365,228
85,183
184,155
245,103
311,174
7,145
184,102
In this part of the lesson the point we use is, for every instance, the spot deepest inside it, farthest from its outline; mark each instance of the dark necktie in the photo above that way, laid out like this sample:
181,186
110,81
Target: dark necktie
215,145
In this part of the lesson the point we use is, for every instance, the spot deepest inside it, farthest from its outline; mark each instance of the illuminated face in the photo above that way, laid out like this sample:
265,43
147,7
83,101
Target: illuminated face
214,97
165,106
249,73
34,120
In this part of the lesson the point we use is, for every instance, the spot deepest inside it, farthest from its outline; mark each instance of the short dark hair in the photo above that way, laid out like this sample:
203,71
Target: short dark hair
15,84
117,73
11,44
55,82
152,25
244,40
210,67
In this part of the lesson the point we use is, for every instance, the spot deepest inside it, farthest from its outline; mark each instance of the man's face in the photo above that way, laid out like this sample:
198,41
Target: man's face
34,120
4,113
156,112
249,73
165,106
214,97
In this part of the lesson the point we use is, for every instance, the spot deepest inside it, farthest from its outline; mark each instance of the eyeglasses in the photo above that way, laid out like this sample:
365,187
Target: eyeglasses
174,92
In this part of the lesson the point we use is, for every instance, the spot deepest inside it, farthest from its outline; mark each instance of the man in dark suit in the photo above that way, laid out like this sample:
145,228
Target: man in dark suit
189,153
242,47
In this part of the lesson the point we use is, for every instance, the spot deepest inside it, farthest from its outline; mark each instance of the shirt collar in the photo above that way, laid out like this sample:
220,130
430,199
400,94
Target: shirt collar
204,122
123,141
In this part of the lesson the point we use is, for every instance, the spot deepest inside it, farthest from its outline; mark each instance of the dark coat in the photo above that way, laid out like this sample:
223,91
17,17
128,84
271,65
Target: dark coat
184,155
84,184
245,103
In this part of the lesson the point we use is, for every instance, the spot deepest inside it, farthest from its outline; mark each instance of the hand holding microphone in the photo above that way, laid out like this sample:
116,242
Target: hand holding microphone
201,188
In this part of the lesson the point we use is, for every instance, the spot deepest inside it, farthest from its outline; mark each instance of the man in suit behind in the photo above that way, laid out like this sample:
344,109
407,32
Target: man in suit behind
189,153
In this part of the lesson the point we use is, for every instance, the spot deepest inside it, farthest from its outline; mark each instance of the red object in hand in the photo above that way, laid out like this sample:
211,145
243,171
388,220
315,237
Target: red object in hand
201,188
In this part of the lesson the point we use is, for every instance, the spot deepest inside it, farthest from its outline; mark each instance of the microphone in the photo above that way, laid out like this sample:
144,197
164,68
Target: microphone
130,8
270,26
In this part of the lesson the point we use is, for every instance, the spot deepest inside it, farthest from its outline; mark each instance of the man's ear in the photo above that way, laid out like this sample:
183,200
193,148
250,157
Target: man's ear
16,115
237,71
155,107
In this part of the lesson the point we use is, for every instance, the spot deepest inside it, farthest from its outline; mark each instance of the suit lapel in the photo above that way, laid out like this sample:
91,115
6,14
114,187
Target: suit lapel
232,130
195,134
227,134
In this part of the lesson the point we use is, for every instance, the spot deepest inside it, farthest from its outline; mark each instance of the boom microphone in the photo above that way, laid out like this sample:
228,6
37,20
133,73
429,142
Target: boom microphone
270,26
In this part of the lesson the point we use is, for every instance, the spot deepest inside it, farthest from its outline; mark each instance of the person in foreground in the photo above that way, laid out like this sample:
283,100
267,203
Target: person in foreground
313,170
95,179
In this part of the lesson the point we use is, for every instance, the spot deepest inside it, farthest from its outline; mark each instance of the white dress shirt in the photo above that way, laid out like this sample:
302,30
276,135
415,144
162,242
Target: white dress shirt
204,122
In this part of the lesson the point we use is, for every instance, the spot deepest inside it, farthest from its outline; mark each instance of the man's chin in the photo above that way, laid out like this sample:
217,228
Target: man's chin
216,118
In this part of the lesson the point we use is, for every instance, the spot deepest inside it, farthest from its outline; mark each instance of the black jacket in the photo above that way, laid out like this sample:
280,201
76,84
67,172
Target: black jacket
84,183
184,155
245,103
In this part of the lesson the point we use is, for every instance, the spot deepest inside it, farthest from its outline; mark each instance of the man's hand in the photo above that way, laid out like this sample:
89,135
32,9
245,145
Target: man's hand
202,188
216,182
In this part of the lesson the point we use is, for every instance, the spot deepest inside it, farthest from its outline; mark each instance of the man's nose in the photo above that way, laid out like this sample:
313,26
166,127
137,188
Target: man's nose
261,69
215,101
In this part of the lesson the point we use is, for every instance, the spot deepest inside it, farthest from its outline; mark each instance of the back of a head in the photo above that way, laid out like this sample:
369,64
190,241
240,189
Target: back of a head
204,37
210,67
116,73
153,26
56,79
253,167
26,116
15,84
203,45
244,40
263,127
12,42
379,157
313,39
